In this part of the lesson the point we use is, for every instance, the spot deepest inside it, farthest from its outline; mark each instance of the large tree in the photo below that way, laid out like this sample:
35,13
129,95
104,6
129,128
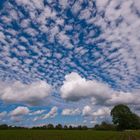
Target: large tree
124,118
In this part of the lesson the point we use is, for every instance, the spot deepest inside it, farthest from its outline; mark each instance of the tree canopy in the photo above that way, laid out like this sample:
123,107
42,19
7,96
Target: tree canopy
124,118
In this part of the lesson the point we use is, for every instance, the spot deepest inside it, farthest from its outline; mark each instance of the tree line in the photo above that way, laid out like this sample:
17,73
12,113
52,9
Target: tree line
122,118
47,127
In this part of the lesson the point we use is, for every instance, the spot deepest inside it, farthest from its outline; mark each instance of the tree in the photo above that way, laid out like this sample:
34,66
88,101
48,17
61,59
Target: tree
59,126
135,121
3,126
65,127
70,127
84,127
104,126
124,118
96,126
50,126
79,127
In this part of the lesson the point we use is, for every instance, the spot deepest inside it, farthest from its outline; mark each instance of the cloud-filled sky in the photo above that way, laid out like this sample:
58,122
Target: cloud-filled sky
68,61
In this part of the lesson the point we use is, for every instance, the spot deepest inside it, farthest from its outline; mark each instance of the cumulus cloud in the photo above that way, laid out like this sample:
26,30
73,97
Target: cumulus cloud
69,112
87,111
21,110
32,93
52,113
75,88
125,98
103,111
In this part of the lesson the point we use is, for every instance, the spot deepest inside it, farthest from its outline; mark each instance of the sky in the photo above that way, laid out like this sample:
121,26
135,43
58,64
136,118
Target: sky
68,61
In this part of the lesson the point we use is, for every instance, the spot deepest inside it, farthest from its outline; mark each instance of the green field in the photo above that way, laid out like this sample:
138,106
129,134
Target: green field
67,135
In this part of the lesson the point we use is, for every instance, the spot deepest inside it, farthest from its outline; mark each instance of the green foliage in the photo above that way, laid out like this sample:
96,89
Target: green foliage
59,126
50,126
47,127
104,126
65,127
124,118
4,126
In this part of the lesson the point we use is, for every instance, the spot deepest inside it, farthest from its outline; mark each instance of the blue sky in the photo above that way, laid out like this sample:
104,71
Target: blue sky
68,61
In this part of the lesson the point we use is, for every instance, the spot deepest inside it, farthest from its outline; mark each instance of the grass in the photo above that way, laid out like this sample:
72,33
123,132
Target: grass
67,135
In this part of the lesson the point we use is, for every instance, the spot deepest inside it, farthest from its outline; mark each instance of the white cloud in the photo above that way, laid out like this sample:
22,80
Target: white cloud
64,40
38,3
63,3
123,34
46,13
102,112
51,114
38,112
76,7
85,14
32,93
69,112
125,98
2,36
87,111
31,31
19,111
3,114
75,88
32,3
21,2
101,3
25,23
93,122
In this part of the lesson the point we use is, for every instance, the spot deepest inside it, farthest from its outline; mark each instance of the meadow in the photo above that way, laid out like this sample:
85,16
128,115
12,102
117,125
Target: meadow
68,135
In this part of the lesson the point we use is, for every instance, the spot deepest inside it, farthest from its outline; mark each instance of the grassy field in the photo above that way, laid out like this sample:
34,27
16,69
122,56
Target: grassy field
67,135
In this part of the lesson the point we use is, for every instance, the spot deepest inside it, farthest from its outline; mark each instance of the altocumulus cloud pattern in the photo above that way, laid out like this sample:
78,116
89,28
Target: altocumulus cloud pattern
69,60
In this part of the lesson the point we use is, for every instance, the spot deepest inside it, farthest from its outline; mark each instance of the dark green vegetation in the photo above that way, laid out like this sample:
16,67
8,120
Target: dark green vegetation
68,135
124,118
